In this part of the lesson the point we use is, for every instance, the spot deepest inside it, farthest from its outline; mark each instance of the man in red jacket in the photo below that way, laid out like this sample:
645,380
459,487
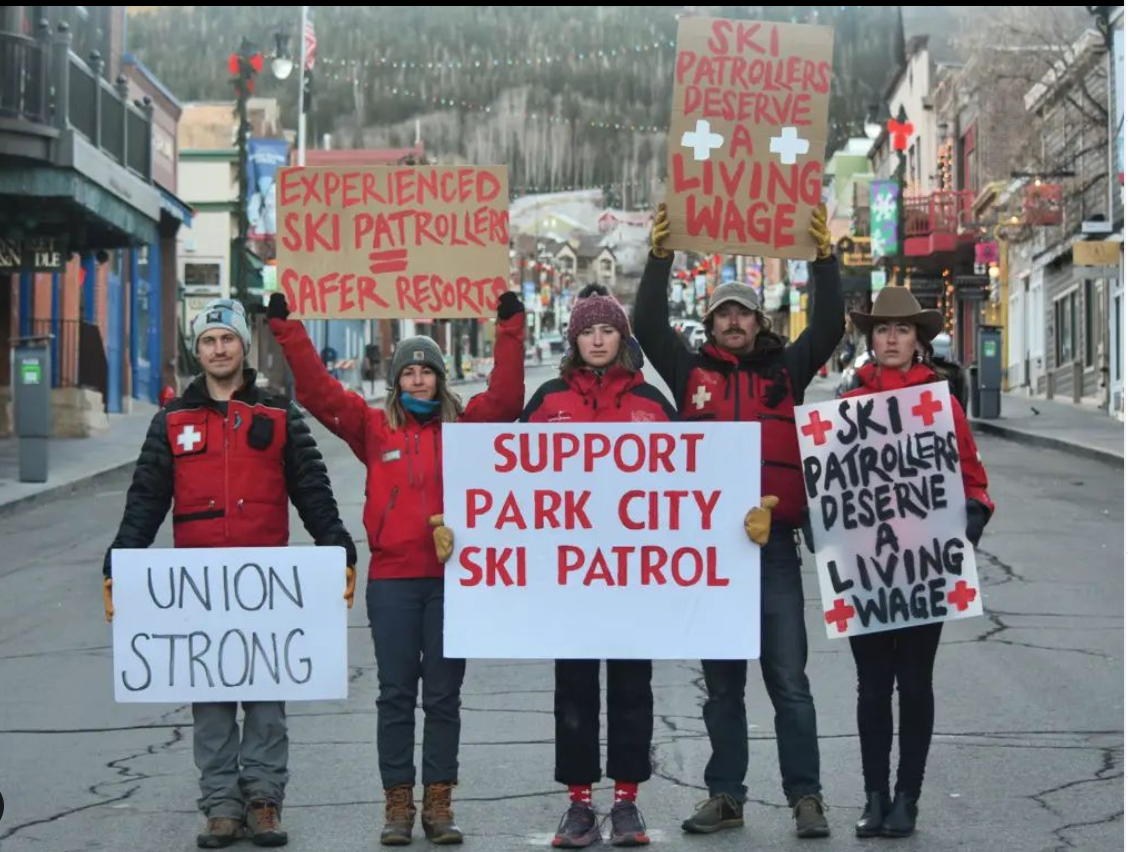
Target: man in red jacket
747,373
229,459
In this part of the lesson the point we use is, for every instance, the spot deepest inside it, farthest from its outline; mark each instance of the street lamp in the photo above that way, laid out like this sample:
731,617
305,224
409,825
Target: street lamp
282,65
244,66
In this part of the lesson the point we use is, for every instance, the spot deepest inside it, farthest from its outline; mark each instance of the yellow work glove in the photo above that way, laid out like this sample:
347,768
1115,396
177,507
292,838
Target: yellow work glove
444,538
758,521
660,233
820,232
108,598
350,585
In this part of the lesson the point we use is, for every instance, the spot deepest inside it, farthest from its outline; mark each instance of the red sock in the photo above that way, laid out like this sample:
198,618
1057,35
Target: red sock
580,793
625,792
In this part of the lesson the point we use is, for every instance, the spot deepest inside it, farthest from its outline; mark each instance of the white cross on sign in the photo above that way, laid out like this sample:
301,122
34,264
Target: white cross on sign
788,144
702,140
701,396
189,438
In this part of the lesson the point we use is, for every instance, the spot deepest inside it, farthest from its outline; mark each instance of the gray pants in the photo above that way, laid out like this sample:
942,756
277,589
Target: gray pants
263,753
406,617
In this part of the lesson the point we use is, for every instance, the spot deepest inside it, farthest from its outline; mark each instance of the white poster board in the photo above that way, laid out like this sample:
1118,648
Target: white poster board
602,541
230,624
888,512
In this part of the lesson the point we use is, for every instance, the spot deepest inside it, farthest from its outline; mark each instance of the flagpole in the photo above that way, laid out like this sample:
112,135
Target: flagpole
301,91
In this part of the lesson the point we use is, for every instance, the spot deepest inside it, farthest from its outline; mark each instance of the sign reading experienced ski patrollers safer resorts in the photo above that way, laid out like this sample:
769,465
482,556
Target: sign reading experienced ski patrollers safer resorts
619,541
396,241
887,505
747,136
230,624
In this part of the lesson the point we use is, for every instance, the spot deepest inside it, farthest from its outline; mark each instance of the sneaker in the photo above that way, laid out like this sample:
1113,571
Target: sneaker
221,832
264,823
399,815
627,826
810,817
578,828
438,815
721,811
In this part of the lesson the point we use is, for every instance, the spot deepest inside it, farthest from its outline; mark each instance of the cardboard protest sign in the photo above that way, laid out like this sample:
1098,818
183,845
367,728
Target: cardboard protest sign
747,136
230,624
394,241
886,498
620,541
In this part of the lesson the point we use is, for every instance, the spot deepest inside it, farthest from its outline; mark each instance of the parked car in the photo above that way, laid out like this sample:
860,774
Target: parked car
692,331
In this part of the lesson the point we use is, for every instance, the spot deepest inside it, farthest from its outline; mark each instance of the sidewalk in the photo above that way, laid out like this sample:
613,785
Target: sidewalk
75,463
1075,429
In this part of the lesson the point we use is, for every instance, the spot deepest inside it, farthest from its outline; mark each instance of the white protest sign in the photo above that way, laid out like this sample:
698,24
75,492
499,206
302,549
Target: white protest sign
888,513
602,541
230,624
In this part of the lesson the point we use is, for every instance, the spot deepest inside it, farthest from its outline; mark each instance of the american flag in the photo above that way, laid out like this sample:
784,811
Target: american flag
310,41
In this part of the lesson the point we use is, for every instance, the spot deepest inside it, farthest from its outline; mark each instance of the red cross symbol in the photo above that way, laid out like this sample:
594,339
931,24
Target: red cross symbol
962,596
927,408
840,616
900,133
817,429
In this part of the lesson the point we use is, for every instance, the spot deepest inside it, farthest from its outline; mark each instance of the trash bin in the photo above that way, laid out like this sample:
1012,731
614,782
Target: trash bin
32,402
973,389
990,384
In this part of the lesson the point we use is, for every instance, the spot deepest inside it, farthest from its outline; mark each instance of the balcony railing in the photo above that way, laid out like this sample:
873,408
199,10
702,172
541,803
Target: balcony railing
938,212
43,82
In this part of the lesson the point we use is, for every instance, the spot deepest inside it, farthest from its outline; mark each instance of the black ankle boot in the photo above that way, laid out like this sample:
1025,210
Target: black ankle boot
900,821
877,805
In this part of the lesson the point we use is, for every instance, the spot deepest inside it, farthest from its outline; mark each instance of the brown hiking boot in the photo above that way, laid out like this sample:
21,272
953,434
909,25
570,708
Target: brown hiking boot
399,815
264,822
221,832
438,816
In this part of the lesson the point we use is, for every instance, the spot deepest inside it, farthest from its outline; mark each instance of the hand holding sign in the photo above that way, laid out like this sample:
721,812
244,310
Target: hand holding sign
108,599
350,585
444,538
660,233
820,232
758,521
277,309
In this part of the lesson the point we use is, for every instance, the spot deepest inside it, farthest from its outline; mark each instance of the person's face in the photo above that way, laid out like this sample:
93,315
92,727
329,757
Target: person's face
420,382
895,344
220,352
735,328
599,345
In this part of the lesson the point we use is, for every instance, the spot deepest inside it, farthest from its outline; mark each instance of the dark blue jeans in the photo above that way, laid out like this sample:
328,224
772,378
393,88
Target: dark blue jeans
783,663
406,618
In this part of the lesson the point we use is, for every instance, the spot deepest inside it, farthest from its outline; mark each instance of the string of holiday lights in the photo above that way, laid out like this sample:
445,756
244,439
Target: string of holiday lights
465,64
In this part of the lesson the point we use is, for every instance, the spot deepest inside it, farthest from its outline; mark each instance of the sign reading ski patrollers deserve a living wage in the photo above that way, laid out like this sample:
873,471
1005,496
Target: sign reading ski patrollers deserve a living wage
887,505
395,241
230,624
621,541
748,136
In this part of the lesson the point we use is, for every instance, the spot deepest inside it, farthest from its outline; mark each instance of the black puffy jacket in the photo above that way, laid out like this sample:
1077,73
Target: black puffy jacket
229,475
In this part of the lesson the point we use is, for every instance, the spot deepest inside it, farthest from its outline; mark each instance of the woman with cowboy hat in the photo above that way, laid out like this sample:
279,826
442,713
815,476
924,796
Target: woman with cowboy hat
899,334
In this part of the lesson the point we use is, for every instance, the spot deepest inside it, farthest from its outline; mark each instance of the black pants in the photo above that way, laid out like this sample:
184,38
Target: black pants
406,618
904,656
630,721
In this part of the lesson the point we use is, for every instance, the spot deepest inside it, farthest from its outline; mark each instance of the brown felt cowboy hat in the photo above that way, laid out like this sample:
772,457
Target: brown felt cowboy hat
898,304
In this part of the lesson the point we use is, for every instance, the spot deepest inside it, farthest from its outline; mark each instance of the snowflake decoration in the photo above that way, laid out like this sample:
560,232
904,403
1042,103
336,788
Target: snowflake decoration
885,206
877,244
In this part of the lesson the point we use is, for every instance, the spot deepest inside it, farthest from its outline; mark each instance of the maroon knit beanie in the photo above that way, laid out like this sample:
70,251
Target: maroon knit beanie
593,310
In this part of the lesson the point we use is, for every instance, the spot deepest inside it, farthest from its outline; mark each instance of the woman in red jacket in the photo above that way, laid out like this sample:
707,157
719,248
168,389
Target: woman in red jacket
899,335
401,446
601,382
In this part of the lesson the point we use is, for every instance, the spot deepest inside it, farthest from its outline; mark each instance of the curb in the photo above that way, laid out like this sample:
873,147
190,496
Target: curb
64,489
1021,436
